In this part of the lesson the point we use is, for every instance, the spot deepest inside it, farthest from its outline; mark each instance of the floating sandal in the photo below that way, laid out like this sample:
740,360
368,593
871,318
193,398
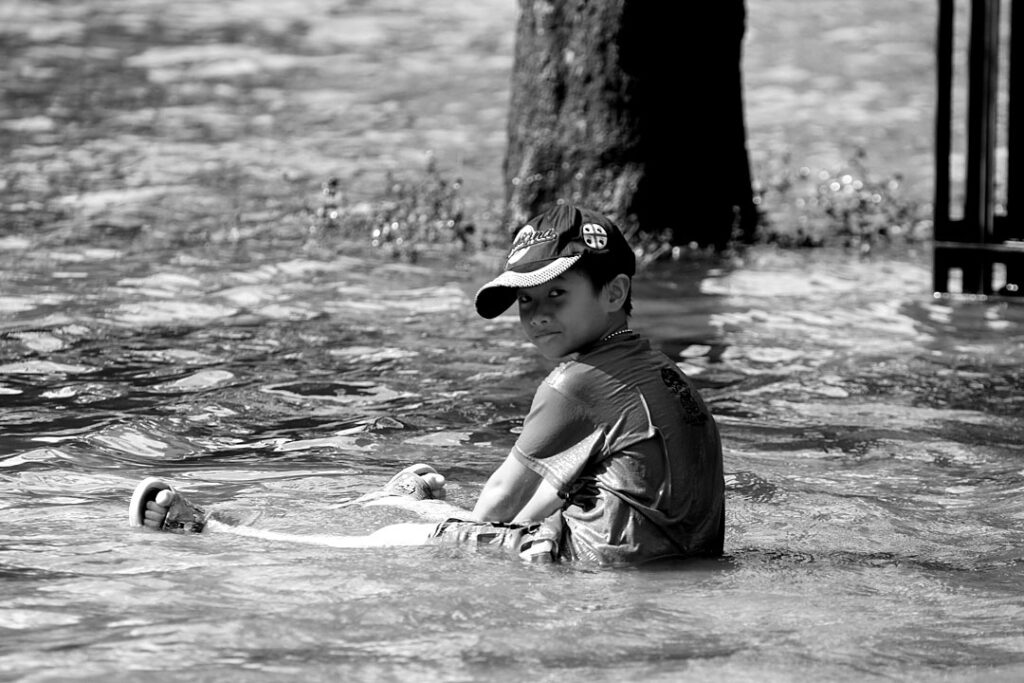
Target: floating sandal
409,483
181,515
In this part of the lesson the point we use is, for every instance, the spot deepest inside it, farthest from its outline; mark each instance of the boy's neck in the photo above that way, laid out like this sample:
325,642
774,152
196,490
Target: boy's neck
616,324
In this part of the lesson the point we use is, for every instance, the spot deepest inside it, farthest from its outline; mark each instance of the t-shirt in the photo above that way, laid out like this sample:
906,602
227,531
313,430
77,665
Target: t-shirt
626,438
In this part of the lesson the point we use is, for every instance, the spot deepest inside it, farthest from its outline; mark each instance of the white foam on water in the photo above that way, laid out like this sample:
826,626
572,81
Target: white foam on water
447,438
204,379
29,124
44,367
168,281
373,354
165,312
338,442
14,243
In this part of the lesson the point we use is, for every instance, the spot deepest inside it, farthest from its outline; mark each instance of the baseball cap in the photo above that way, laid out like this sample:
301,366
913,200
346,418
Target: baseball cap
547,246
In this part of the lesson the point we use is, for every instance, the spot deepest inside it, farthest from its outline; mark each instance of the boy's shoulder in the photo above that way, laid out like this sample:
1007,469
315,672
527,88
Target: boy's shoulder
629,371
629,362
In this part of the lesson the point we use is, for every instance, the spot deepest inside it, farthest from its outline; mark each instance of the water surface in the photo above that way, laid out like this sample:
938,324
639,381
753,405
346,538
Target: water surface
872,450
165,309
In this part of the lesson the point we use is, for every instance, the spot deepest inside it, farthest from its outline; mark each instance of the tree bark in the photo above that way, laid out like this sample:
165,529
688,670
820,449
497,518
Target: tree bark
633,108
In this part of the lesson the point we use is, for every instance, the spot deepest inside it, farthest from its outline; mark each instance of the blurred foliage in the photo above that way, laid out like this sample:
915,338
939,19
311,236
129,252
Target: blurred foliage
798,208
409,216
846,207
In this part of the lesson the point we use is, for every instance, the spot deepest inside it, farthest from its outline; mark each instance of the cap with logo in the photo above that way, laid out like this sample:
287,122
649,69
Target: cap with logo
547,246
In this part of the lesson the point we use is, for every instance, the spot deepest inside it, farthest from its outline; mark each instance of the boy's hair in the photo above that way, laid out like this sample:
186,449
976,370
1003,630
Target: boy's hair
601,269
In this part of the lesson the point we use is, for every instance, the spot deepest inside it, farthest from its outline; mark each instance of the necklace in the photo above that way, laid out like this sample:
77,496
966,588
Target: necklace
624,330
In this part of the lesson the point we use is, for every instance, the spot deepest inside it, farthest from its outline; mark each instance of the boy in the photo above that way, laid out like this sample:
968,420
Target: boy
619,460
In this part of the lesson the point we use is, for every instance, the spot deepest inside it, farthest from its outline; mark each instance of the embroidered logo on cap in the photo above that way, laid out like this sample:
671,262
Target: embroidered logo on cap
526,238
594,236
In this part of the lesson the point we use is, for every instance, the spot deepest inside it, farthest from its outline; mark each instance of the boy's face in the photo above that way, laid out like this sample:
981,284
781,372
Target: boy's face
564,315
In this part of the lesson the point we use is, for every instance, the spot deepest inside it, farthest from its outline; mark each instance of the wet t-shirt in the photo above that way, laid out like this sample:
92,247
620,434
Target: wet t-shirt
625,437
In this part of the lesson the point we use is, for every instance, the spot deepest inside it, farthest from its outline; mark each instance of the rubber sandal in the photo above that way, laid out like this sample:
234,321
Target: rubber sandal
146,491
181,515
408,483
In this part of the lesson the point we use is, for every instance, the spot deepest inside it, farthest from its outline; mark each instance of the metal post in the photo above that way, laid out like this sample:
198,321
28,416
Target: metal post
943,126
981,239
1014,229
979,201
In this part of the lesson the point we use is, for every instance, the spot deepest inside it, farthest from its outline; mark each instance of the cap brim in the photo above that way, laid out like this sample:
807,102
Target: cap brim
496,296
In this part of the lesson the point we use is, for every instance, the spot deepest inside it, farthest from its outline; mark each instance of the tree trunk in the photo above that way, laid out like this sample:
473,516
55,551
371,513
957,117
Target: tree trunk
633,108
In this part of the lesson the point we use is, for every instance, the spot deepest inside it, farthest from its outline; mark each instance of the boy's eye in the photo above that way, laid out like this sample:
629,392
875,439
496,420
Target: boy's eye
523,299
554,293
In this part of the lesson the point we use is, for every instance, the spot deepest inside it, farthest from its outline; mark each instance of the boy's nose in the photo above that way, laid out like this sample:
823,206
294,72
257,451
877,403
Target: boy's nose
539,316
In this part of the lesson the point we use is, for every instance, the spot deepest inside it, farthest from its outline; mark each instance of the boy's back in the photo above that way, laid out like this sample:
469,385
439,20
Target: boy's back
622,433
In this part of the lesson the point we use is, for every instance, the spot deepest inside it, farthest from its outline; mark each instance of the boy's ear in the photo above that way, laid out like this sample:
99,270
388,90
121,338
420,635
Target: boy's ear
617,290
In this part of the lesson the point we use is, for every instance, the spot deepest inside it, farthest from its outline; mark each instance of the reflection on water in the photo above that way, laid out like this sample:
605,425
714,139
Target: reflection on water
165,311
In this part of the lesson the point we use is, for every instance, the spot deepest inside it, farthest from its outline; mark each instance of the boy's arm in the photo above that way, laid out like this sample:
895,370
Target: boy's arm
545,501
507,492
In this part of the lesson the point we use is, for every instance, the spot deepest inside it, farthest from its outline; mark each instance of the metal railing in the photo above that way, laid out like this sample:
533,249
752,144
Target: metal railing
986,245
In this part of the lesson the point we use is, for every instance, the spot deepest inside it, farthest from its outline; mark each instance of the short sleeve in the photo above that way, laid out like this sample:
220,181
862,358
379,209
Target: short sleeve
559,437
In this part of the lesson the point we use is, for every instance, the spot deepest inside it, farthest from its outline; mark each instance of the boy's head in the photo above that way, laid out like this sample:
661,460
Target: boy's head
563,238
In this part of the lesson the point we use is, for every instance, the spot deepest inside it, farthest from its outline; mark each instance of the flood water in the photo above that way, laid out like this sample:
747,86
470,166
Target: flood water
166,310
